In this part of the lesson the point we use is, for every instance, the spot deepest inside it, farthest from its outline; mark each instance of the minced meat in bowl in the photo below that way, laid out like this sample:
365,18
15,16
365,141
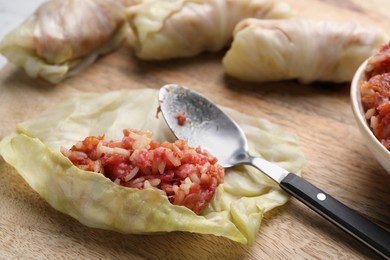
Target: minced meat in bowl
370,95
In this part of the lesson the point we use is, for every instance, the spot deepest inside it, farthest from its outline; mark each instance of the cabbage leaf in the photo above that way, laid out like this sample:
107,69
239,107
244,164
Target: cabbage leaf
235,212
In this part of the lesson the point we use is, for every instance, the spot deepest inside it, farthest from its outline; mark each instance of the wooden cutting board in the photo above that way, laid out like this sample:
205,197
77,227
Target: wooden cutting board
337,159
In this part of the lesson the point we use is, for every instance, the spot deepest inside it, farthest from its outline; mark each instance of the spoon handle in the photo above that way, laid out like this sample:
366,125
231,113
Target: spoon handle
344,217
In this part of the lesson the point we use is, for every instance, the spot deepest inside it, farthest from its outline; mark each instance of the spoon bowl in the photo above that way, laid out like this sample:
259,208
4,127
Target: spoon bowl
206,125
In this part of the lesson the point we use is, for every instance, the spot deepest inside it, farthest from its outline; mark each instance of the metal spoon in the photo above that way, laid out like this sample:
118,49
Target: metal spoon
209,127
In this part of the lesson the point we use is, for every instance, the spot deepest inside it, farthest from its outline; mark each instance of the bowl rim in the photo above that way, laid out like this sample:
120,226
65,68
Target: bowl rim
358,111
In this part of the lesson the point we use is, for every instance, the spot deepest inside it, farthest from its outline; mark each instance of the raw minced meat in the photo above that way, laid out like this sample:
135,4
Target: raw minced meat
181,118
375,95
187,176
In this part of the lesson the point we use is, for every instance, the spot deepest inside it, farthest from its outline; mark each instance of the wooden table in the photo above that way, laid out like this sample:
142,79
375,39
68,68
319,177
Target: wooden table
337,159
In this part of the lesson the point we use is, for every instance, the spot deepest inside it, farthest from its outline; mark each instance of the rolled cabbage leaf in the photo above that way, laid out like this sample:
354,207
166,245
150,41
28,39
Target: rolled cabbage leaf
235,212
307,50
184,28
63,37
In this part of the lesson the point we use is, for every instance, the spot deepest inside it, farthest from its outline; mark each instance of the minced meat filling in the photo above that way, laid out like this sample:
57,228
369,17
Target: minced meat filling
187,176
375,95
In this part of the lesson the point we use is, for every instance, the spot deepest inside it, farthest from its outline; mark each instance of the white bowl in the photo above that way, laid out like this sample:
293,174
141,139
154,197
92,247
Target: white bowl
374,145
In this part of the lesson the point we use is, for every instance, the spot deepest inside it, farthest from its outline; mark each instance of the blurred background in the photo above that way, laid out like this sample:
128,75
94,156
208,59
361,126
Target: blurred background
12,13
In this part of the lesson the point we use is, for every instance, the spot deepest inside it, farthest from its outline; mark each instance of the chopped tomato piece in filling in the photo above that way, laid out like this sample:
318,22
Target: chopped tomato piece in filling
187,176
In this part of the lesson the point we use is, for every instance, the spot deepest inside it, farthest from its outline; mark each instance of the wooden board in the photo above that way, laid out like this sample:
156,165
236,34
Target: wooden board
337,159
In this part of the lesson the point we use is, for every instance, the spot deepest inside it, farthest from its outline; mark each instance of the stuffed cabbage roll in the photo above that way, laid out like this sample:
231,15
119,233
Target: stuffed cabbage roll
235,210
183,28
64,36
265,50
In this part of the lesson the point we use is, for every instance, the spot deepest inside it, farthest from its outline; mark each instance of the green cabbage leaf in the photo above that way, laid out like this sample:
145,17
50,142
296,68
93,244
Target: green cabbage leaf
235,212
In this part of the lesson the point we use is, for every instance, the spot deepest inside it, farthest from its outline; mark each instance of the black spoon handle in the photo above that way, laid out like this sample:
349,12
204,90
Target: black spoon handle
344,217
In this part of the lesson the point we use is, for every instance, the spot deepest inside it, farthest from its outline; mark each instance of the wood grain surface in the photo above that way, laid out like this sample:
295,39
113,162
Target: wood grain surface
337,159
